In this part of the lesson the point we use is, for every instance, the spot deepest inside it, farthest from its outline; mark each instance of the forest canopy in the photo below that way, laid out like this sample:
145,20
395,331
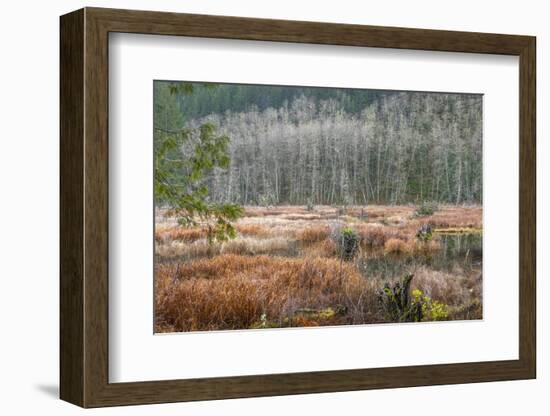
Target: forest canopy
299,145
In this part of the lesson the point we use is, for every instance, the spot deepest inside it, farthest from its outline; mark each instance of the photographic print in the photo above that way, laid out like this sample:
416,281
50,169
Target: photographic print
291,206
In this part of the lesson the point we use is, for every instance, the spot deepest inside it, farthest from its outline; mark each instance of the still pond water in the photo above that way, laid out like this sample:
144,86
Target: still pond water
462,250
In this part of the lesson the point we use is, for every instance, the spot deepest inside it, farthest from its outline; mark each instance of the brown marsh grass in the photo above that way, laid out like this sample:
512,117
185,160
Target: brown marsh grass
283,268
313,234
233,291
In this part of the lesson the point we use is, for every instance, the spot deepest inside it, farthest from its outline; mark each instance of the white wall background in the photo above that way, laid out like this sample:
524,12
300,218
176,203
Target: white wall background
29,158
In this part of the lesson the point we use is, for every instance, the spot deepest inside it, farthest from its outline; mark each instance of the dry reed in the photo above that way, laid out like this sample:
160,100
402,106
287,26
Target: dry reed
232,291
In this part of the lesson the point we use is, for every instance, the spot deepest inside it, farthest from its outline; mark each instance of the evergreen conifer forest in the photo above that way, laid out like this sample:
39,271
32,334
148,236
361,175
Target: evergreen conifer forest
288,206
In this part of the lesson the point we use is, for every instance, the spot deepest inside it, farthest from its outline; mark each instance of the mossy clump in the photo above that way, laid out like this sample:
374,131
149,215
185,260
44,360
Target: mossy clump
348,243
425,233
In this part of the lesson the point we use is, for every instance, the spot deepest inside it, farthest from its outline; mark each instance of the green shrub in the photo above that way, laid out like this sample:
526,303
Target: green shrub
400,305
432,310
426,208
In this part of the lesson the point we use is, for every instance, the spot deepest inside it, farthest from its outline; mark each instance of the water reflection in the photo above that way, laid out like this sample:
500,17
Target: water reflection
462,250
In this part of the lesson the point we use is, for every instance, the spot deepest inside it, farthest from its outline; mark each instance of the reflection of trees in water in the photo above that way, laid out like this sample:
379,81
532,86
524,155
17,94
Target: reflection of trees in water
465,249
457,250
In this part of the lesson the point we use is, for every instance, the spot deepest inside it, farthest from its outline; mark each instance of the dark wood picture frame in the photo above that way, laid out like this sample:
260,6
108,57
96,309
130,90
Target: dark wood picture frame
84,207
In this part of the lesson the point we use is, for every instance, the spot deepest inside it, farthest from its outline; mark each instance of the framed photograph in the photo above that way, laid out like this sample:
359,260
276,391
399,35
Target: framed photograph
255,207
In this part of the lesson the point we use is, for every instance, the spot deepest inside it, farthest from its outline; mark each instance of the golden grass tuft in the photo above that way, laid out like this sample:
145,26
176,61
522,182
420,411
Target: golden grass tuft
412,246
325,248
313,234
256,230
417,246
374,235
397,246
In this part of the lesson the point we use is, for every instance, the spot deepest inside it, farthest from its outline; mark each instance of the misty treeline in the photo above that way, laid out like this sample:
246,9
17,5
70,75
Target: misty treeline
207,99
401,147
